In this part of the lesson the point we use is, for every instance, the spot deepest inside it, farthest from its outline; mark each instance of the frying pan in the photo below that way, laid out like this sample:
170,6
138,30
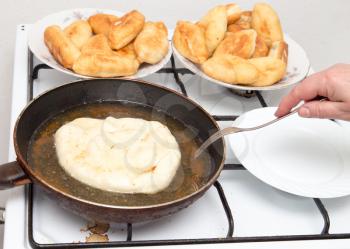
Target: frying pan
51,103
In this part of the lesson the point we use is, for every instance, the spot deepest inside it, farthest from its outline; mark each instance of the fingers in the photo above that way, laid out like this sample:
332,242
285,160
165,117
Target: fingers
308,89
324,109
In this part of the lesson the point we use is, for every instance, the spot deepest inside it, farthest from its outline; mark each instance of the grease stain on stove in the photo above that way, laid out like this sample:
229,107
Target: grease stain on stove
96,238
97,232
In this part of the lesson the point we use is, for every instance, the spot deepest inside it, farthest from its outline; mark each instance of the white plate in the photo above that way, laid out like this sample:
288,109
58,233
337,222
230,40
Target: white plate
297,68
63,19
306,157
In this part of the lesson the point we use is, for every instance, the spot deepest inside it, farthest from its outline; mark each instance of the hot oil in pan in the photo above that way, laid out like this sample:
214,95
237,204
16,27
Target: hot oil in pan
189,177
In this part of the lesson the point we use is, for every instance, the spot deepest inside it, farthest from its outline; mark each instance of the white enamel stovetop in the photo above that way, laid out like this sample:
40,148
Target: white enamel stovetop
257,209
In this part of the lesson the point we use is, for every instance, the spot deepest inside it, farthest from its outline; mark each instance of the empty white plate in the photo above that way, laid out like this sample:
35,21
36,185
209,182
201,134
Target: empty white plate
306,157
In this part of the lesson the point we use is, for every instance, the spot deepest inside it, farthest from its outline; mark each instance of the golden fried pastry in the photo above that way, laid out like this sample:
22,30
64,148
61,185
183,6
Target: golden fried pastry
60,46
99,60
214,24
241,43
233,13
230,69
127,52
279,50
266,22
102,23
97,44
151,45
243,23
105,65
79,32
189,40
126,29
247,49
261,48
271,70
245,20
234,28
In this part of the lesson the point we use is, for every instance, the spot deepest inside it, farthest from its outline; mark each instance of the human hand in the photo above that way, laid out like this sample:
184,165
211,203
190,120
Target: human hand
332,83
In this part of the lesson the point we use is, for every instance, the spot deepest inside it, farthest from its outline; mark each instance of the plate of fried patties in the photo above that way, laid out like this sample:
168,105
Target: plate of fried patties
244,50
93,43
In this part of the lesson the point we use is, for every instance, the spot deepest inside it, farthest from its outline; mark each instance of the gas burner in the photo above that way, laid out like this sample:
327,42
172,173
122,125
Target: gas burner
243,93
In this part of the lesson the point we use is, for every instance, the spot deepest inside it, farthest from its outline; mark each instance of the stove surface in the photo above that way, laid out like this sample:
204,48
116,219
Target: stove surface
257,209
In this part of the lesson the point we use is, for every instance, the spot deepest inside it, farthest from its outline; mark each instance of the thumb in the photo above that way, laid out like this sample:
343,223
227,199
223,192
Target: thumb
321,109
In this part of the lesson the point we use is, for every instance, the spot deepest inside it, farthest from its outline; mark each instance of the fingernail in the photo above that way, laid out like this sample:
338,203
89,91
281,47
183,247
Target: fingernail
304,112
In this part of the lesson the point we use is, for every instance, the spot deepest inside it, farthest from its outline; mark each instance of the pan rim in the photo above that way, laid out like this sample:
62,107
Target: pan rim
31,174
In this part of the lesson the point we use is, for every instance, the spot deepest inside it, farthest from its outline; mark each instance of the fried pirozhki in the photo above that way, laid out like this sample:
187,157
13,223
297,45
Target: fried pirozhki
245,21
127,52
102,23
189,40
214,24
230,69
241,43
152,44
233,13
234,28
97,44
105,65
251,51
99,60
105,45
271,70
267,23
126,29
79,32
261,48
60,46
279,50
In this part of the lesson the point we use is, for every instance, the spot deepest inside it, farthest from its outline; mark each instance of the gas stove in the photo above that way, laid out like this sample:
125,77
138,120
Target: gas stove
238,211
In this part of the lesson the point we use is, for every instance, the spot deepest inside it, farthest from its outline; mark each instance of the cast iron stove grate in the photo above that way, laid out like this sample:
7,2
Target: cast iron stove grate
230,238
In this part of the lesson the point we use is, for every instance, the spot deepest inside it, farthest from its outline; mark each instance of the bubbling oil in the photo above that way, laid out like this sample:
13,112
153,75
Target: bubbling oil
190,176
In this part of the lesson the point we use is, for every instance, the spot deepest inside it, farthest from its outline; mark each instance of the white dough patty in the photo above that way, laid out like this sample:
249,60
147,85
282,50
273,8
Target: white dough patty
126,155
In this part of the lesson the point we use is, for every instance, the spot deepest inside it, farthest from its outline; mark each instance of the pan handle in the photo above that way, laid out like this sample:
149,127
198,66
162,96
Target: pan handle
11,175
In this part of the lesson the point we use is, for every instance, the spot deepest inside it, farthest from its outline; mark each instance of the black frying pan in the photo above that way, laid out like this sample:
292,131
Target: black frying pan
127,95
